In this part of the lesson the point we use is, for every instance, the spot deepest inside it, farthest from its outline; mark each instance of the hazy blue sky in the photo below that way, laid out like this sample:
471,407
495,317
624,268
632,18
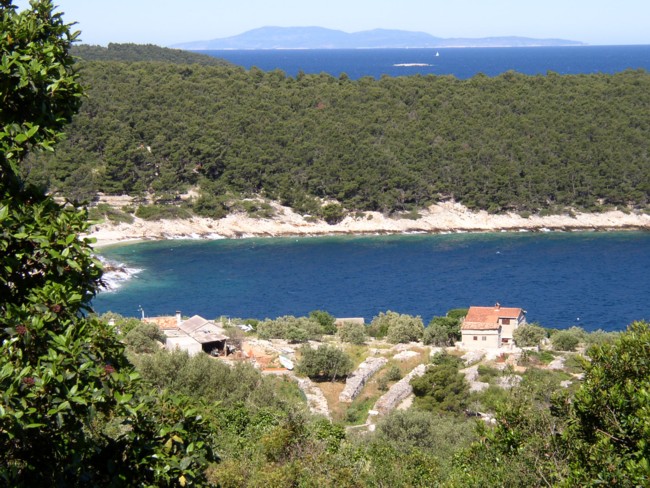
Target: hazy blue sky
166,22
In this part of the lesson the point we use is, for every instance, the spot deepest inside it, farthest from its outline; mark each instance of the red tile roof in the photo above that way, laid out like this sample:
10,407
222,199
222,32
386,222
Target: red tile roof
166,322
480,326
491,314
487,318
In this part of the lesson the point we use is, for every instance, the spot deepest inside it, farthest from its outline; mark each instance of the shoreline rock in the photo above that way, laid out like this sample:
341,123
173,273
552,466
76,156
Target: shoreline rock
441,218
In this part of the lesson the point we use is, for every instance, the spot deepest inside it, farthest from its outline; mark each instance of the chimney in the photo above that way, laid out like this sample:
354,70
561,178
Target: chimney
178,318
497,306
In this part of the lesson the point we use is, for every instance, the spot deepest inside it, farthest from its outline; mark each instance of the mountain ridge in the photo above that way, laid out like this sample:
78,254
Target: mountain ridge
313,37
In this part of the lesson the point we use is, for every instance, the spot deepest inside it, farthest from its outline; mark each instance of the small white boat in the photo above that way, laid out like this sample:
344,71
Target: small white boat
437,54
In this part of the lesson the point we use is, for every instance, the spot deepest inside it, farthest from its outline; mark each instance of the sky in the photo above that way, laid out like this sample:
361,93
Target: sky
166,22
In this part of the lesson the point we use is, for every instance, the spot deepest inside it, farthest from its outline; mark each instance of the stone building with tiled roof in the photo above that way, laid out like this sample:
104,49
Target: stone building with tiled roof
490,327
193,335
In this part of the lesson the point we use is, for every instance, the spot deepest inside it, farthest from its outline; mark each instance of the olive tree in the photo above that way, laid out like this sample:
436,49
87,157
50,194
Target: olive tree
353,333
326,363
397,327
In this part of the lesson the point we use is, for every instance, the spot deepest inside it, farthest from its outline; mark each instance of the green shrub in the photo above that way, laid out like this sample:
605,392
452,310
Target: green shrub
352,333
393,373
324,363
565,340
457,313
144,338
332,213
293,329
442,331
325,319
486,373
160,212
257,209
210,206
529,335
397,328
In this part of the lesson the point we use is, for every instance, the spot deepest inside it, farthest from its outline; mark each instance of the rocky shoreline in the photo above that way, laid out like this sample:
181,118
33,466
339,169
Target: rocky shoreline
447,217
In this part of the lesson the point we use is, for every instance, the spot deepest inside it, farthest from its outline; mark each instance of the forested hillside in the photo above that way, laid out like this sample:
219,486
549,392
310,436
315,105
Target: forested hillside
142,52
513,142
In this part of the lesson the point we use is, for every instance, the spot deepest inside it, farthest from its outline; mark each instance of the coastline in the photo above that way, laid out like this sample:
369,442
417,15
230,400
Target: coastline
447,217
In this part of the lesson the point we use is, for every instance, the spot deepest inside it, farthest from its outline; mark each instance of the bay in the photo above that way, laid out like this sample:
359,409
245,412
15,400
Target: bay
595,280
462,63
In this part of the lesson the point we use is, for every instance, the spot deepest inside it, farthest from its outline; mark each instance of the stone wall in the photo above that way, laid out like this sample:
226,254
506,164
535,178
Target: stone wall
398,392
357,380
315,398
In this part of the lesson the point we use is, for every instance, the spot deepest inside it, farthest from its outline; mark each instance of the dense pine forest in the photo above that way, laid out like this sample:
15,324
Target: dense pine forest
513,142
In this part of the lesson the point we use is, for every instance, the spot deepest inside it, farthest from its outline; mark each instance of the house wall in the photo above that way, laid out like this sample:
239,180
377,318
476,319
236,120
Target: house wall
183,344
508,329
485,339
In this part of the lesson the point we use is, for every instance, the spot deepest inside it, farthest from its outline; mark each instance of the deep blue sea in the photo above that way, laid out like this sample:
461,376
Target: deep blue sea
595,280
459,62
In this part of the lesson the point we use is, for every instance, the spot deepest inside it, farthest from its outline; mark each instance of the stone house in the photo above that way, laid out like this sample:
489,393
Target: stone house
490,327
194,335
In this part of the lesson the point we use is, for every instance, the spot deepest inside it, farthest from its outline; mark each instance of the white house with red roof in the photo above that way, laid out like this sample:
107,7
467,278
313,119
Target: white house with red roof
490,327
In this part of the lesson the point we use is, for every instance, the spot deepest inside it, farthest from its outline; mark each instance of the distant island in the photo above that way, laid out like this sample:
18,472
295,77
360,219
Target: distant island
322,38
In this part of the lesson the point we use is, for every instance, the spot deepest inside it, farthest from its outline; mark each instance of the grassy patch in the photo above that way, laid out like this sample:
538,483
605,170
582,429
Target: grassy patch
331,391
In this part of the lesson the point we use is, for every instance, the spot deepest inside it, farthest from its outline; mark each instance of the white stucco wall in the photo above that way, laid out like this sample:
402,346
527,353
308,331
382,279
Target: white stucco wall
485,339
185,343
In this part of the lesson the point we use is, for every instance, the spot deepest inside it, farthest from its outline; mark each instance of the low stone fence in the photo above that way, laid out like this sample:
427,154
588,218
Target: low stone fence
315,399
357,380
398,392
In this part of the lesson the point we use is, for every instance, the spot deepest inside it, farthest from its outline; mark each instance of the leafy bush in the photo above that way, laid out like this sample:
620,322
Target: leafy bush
393,373
202,377
529,335
406,329
210,206
442,435
442,331
565,340
332,213
600,337
257,209
457,313
397,328
608,431
290,328
144,338
442,388
352,333
72,411
160,212
325,319
324,363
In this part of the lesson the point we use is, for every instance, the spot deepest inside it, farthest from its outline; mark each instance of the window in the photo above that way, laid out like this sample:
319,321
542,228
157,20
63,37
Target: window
484,338
505,321
476,338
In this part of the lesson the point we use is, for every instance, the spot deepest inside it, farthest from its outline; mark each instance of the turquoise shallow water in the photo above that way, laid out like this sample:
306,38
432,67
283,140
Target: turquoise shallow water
596,280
